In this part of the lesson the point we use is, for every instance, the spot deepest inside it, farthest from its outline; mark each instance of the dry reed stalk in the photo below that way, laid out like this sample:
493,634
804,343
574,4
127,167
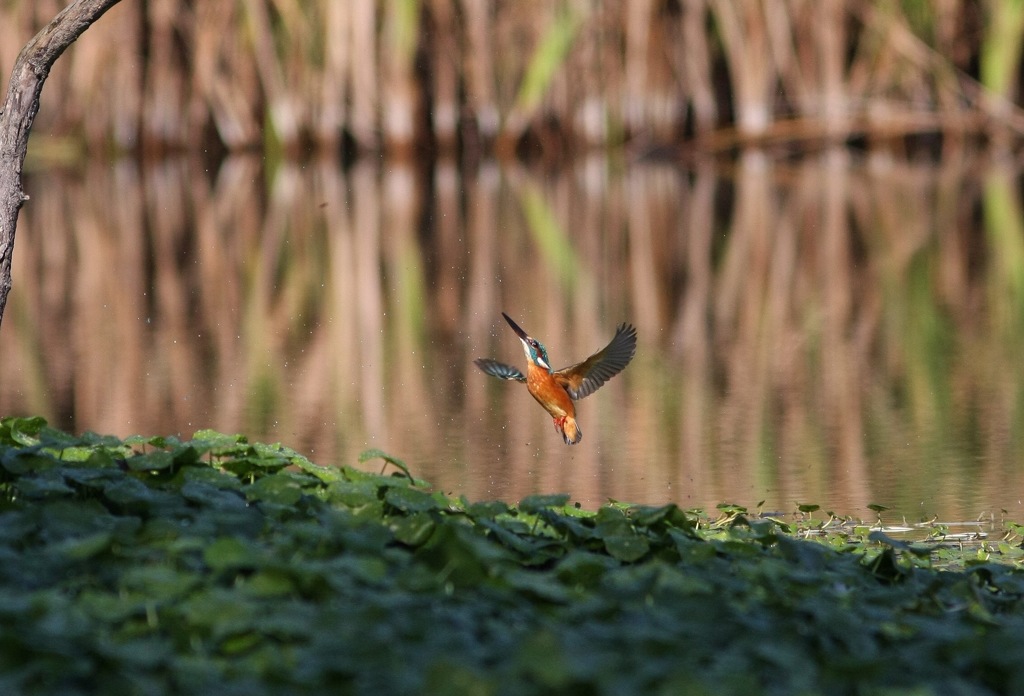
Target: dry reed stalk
283,109
747,53
399,91
830,38
365,100
223,80
637,27
582,83
328,88
645,70
478,69
663,93
442,39
164,110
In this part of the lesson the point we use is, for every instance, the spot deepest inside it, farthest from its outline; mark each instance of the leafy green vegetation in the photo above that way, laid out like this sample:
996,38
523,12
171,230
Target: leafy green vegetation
154,565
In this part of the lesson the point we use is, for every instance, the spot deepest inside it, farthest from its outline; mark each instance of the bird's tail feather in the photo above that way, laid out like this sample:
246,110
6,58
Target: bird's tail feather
571,432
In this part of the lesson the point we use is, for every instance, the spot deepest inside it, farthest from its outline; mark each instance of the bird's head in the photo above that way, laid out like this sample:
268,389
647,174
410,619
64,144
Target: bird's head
535,351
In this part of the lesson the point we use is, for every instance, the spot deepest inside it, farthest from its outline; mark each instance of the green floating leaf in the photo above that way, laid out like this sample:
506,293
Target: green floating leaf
186,455
122,581
274,456
486,510
159,460
410,499
544,586
574,528
887,567
212,496
107,607
413,530
919,550
241,643
764,530
279,489
157,441
611,521
214,439
666,515
90,477
461,556
251,461
369,454
808,507
232,553
46,485
102,441
137,653
136,497
211,477
626,548
25,461
21,431
353,494
269,582
81,548
534,550
327,474
219,612
584,568
545,660
59,440
158,583
79,454
883,538
535,503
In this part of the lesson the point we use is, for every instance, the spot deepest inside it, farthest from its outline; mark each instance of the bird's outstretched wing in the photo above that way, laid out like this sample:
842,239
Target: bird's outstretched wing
499,369
584,378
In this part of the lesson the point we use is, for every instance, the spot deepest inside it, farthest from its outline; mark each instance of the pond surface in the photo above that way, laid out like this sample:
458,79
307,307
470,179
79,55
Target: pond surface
841,329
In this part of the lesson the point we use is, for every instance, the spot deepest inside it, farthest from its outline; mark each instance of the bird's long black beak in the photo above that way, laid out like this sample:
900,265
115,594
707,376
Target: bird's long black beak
515,327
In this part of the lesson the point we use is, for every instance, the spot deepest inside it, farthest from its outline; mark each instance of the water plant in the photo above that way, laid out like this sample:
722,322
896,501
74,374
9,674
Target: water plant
158,565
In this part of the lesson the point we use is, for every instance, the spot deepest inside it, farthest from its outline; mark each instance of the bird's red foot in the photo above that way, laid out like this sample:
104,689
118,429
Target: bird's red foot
559,424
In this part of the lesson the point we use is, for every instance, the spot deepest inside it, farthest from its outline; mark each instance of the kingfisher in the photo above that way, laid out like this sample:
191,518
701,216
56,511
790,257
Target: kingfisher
556,390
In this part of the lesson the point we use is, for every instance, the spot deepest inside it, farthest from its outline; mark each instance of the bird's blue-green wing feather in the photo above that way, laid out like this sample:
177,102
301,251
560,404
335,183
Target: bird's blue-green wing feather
499,369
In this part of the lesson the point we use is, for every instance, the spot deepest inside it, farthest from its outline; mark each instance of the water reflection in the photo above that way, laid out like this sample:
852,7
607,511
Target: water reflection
833,330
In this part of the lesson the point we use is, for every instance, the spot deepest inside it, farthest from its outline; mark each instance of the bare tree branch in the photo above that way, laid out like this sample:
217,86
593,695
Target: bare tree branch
19,111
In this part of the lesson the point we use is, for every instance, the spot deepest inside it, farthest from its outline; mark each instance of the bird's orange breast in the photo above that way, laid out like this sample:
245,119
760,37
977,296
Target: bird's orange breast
549,393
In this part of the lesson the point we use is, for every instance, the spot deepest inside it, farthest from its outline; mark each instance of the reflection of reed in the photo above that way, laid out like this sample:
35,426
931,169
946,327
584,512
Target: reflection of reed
823,331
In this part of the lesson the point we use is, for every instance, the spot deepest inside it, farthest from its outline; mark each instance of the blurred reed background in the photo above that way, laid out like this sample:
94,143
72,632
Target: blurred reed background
531,76
300,220
840,333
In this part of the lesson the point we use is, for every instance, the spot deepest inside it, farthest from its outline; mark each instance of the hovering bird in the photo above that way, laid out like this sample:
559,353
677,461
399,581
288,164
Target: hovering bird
555,390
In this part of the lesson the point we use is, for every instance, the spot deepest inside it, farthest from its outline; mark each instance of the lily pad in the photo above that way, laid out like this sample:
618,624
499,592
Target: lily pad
246,570
626,548
410,500
536,503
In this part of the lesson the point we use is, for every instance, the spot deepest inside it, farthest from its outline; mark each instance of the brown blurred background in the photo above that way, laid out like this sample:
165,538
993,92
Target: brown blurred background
301,221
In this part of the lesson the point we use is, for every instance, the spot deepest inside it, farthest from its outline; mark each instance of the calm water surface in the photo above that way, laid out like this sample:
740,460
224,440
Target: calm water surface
840,330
